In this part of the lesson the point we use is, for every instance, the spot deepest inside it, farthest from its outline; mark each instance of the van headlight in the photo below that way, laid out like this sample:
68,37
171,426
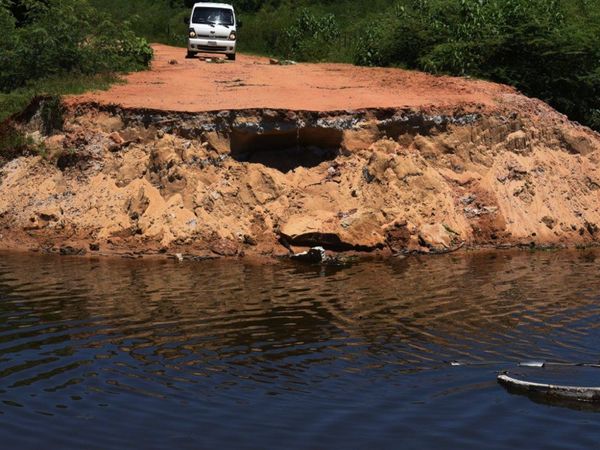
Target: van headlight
232,36
192,33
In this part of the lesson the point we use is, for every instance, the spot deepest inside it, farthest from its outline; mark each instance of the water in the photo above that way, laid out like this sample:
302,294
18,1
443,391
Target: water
137,354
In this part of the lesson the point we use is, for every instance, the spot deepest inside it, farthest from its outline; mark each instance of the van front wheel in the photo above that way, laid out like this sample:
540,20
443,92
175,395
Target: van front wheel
231,56
190,54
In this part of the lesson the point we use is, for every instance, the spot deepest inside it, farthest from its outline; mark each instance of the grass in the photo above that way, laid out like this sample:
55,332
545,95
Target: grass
15,101
13,142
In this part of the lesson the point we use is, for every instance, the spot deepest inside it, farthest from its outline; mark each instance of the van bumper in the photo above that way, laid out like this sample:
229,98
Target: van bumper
211,45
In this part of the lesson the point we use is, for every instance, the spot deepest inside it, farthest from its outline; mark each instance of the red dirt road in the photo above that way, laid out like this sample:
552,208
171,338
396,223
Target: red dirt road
194,85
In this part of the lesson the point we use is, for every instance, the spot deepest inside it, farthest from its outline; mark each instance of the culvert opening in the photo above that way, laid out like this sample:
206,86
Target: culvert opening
287,150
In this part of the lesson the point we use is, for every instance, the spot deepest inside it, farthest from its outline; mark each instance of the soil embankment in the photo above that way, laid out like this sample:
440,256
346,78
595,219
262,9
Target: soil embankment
250,158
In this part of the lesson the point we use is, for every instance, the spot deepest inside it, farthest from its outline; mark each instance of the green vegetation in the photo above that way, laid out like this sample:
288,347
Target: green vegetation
61,46
548,49
14,143
155,20
17,99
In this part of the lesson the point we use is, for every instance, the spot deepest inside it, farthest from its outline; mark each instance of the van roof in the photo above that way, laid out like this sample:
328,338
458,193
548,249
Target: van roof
214,5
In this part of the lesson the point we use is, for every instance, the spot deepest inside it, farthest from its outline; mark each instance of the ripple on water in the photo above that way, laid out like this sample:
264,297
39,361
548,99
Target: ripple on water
165,354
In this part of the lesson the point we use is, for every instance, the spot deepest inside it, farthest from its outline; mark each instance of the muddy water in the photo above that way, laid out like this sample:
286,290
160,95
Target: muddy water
129,354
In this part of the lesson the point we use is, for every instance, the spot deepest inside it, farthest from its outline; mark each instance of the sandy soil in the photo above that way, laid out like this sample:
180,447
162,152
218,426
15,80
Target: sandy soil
194,85
203,160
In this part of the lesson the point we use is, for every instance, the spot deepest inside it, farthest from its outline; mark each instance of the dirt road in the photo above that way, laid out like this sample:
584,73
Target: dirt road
194,85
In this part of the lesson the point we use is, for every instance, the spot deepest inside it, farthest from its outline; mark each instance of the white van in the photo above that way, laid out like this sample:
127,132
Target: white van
212,29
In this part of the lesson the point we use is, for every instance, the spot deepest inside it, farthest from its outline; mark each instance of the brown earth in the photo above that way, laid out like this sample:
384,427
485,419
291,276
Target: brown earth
202,160
193,85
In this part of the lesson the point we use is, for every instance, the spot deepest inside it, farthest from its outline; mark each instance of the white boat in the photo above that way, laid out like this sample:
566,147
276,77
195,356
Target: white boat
554,391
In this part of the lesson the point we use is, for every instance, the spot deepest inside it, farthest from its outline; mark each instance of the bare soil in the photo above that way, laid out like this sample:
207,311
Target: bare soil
199,160
194,85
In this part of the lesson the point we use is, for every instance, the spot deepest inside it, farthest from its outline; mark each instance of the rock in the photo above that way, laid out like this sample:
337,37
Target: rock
49,213
116,142
116,138
173,62
592,228
375,170
398,236
516,172
435,237
578,141
367,176
94,247
224,247
355,140
137,204
355,230
179,257
592,185
67,250
549,222
461,179
218,142
468,199
518,142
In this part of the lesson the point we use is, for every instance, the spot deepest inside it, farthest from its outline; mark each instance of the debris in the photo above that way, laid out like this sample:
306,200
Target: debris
538,364
282,62
116,138
472,212
67,250
577,393
468,199
549,222
592,228
368,177
314,255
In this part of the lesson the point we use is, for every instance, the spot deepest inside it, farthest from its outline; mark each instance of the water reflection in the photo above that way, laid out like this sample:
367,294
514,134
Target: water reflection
106,333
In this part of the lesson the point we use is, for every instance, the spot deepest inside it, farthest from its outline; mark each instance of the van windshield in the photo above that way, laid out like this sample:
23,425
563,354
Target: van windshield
213,16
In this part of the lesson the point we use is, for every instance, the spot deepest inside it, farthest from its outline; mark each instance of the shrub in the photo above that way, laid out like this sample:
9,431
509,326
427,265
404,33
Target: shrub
546,48
368,51
65,36
309,37
14,143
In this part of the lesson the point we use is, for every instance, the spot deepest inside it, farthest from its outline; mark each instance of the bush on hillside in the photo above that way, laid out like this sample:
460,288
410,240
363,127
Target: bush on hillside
310,37
546,48
65,36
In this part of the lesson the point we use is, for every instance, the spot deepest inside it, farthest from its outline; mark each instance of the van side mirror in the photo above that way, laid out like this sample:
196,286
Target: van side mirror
239,24
186,20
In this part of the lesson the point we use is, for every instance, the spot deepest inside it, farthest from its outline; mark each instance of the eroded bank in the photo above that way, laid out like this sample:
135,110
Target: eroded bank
112,180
